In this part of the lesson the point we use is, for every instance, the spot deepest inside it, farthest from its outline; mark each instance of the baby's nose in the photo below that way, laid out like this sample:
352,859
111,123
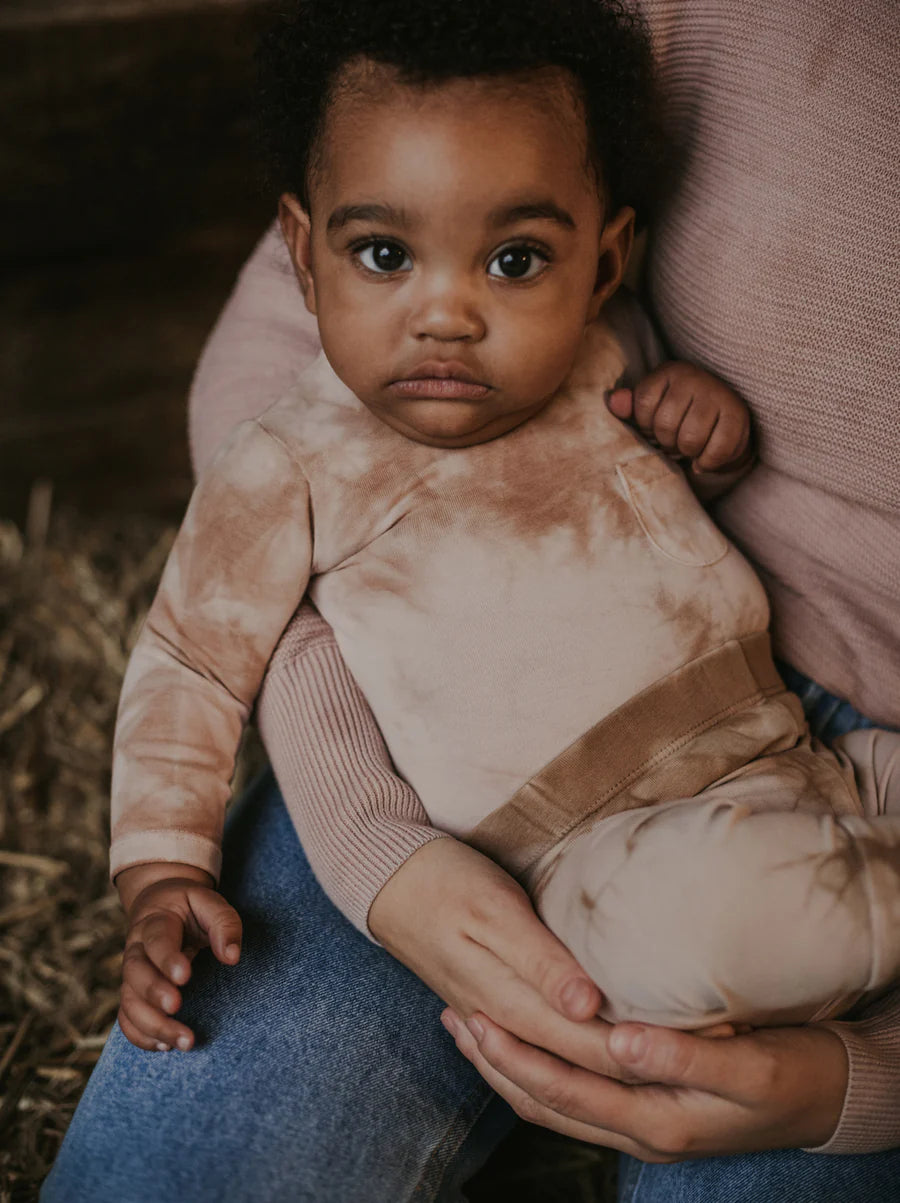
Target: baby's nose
447,310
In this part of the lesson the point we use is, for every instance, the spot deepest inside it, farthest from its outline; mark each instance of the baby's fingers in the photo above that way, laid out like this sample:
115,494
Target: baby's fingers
162,935
621,403
648,396
147,1026
728,441
146,980
220,922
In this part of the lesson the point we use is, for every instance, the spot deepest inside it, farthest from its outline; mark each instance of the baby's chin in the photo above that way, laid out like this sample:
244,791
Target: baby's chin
451,424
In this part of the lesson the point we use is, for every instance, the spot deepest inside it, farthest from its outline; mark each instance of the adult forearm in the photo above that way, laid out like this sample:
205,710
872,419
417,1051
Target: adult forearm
262,342
870,1119
357,820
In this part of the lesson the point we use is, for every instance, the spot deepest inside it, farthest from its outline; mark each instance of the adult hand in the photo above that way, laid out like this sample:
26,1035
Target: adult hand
774,1088
468,930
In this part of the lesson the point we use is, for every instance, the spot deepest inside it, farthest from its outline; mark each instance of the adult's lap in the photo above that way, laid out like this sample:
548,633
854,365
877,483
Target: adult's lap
320,1070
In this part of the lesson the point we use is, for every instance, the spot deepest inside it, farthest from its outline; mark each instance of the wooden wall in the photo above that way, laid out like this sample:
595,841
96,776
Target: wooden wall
130,193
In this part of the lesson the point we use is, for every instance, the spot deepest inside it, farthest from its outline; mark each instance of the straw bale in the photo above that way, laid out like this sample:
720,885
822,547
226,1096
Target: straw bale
72,597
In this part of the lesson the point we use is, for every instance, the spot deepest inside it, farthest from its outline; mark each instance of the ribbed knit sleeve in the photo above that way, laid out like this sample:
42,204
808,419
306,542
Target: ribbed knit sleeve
870,1119
357,820
773,262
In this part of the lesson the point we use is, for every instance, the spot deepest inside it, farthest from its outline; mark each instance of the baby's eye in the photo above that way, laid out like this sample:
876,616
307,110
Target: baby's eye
517,263
382,256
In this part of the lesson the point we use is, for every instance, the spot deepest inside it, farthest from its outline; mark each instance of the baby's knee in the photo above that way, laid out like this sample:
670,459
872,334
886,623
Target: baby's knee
696,912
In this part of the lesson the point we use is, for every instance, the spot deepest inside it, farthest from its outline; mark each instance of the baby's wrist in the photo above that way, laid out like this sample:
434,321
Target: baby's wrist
132,881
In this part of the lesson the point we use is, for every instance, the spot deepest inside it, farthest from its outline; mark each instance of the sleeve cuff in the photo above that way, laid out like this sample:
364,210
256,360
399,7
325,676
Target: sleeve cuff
181,847
870,1118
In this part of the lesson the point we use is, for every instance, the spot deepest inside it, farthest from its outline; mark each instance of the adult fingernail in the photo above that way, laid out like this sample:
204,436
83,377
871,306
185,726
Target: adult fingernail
577,996
178,973
232,952
163,1048
183,1043
449,1023
476,1028
629,1046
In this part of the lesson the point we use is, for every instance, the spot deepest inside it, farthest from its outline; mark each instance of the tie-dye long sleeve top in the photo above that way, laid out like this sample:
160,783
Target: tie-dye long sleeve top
493,602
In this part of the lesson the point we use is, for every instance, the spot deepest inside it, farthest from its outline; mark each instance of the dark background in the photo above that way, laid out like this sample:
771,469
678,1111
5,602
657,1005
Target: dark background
130,193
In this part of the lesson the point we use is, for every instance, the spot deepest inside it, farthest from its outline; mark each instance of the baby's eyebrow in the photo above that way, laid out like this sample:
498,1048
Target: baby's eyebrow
536,210
386,214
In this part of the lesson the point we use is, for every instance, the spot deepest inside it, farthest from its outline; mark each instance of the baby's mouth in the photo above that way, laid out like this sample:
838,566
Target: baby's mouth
440,380
440,388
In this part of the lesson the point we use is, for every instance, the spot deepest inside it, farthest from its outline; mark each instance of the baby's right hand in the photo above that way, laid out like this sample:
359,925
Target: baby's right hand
170,918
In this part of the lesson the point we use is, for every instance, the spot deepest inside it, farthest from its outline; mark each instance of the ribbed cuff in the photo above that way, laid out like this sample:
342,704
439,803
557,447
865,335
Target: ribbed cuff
180,847
870,1119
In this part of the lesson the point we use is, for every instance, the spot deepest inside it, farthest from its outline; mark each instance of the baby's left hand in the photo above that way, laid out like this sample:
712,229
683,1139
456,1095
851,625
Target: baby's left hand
689,412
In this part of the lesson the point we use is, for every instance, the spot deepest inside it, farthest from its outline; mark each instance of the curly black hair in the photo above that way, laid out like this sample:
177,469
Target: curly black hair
600,43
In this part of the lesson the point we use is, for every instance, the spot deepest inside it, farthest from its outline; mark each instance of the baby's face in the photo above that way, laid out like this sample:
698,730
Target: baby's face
455,249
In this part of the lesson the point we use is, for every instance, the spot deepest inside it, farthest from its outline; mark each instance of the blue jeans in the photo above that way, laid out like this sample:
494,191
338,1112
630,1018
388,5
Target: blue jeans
322,1074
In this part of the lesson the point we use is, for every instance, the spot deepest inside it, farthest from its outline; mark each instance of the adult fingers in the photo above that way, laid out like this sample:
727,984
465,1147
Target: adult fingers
509,928
477,980
544,1090
739,1069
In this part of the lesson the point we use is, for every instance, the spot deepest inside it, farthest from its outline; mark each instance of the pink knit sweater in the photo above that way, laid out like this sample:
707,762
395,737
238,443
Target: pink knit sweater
773,264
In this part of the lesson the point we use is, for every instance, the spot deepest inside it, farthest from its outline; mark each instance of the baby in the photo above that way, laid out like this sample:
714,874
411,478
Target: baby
569,662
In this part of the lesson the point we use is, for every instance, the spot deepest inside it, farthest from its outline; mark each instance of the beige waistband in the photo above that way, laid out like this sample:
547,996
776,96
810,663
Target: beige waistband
595,774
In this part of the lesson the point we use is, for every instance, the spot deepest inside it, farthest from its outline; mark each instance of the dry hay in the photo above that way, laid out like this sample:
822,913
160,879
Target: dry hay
72,597
73,593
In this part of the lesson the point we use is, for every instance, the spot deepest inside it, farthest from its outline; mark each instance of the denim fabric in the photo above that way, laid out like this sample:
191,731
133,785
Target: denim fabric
783,1174
780,1176
321,1072
828,716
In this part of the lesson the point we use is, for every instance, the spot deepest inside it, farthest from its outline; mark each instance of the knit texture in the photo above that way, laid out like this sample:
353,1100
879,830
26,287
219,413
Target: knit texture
334,770
774,264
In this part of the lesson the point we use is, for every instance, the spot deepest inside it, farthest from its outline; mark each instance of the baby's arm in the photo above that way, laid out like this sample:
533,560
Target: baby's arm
237,571
236,574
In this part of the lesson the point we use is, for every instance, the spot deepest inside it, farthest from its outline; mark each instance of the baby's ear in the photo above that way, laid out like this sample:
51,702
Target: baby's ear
295,226
616,240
